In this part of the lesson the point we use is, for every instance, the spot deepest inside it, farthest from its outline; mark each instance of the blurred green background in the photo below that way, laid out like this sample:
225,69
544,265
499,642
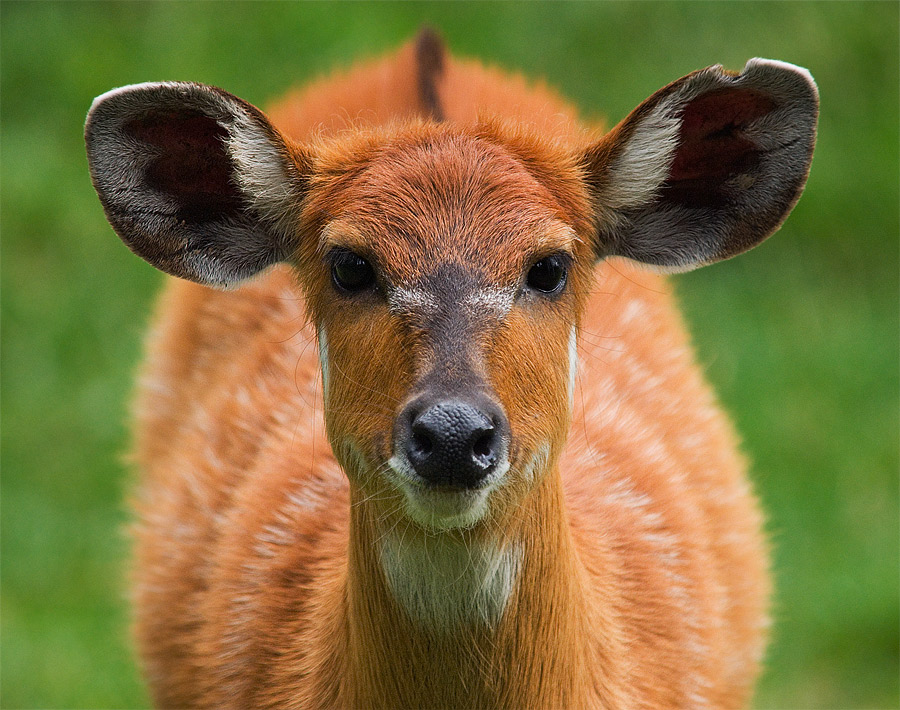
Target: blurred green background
800,336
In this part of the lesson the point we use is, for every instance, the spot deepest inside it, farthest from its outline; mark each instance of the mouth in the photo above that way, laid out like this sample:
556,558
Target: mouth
441,508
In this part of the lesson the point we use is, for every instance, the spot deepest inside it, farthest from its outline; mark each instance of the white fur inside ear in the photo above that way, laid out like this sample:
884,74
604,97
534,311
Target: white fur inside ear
262,172
643,165
639,170
120,162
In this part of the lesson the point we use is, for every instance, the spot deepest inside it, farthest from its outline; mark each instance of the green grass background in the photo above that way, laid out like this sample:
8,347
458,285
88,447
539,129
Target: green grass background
800,336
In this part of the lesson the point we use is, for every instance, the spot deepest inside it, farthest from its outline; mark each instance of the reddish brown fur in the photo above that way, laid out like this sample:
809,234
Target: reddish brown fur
643,581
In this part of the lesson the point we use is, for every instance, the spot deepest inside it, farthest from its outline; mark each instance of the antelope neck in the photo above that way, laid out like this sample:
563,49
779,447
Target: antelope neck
461,619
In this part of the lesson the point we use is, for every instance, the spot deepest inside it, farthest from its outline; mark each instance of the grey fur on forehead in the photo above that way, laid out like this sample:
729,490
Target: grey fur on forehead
452,287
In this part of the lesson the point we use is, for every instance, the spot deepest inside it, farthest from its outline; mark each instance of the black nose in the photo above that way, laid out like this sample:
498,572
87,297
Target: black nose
454,442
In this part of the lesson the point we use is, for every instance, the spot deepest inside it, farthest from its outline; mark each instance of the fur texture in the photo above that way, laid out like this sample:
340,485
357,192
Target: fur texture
286,557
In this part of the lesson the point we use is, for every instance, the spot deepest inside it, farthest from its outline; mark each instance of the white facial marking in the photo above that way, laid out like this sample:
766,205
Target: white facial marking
495,302
573,365
323,361
412,300
444,582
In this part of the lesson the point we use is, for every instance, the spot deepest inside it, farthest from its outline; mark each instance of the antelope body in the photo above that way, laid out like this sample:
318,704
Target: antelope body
450,449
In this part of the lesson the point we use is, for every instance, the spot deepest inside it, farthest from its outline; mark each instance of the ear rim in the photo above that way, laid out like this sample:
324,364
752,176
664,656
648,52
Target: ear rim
268,173
628,154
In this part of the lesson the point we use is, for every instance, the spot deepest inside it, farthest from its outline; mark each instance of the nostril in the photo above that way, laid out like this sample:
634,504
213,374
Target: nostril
484,446
421,444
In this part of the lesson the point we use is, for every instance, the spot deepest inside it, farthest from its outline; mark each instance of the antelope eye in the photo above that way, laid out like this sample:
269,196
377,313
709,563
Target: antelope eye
350,272
549,274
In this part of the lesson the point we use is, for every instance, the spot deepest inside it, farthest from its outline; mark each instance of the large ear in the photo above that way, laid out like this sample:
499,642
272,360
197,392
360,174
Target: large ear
707,167
195,180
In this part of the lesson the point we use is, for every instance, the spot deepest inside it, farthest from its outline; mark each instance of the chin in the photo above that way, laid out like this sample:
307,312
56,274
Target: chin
440,510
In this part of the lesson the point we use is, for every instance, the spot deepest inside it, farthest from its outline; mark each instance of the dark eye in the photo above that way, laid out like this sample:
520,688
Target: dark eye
549,274
351,272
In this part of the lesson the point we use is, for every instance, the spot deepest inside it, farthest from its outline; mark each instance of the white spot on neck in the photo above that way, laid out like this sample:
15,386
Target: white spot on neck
443,582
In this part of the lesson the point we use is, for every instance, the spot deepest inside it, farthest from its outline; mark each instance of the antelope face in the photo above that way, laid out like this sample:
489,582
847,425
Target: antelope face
441,265
446,310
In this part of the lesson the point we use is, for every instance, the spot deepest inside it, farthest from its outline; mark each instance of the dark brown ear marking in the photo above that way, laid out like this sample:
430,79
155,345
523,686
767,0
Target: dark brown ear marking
191,164
429,67
712,147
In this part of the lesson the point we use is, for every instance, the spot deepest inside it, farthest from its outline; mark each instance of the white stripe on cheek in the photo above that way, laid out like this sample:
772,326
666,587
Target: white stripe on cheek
323,361
573,365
